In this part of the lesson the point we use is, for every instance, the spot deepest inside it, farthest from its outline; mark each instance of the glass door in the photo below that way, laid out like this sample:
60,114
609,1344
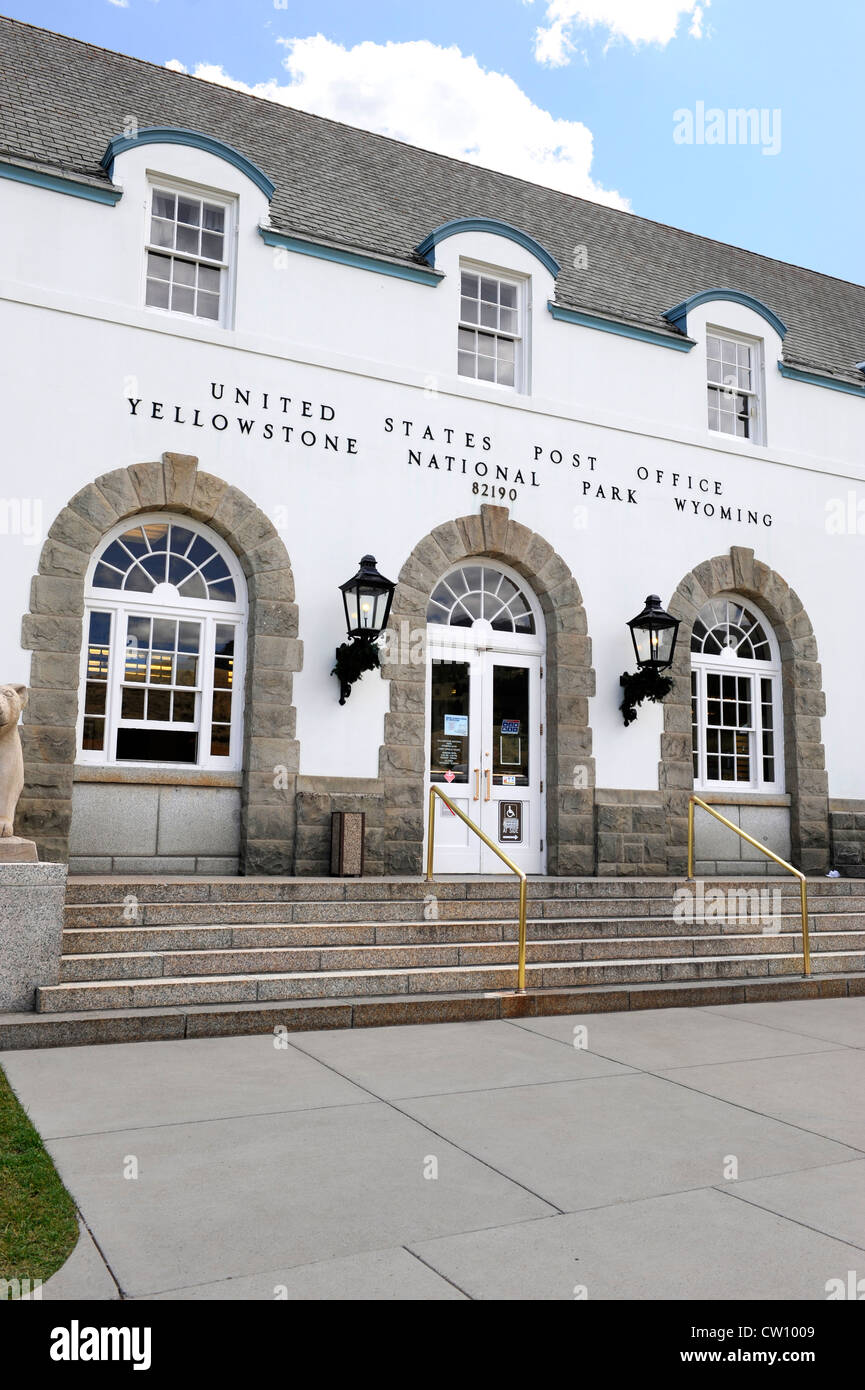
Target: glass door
454,759
485,750
511,806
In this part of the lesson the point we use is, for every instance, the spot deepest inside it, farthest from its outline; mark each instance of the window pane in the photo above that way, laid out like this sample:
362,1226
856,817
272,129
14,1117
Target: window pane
158,267
161,233
184,273
158,705
164,204
212,246
187,239
208,306
470,285
214,218
508,295
157,746
183,709
469,310
93,736
157,294
182,300
132,704
189,211
208,279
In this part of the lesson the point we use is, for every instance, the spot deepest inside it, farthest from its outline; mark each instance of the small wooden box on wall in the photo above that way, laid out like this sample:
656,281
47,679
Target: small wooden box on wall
347,834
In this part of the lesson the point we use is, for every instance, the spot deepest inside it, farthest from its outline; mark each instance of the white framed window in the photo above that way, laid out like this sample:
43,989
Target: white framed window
164,648
734,372
736,710
492,328
188,252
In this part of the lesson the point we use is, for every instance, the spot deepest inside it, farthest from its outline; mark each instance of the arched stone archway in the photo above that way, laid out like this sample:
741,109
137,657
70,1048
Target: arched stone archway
569,676
803,697
52,630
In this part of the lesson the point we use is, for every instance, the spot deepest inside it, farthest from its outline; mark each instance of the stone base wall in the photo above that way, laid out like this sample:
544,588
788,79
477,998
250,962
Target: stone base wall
847,837
630,833
719,851
32,897
154,828
316,800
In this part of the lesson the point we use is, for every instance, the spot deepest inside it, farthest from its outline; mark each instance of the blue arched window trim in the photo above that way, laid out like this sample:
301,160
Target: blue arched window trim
176,135
426,249
678,316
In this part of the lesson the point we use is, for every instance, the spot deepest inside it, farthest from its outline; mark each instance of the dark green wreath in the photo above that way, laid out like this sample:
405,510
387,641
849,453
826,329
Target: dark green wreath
352,659
642,685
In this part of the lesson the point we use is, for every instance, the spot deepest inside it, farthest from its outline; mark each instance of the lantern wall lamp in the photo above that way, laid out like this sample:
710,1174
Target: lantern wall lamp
367,598
653,633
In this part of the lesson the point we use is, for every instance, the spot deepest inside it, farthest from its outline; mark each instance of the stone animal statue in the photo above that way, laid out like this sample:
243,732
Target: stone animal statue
13,698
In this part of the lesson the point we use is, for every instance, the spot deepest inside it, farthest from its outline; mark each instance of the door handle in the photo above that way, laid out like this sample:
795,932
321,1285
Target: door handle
488,777
477,794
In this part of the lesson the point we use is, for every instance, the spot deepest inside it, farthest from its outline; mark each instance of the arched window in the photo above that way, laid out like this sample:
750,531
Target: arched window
481,591
164,647
736,715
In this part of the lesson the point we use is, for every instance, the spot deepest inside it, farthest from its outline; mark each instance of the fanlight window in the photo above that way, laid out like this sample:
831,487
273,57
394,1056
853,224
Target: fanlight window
725,626
481,591
164,641
736,708
165,553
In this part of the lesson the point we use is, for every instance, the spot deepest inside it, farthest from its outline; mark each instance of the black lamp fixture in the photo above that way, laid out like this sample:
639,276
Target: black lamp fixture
653,633
367,598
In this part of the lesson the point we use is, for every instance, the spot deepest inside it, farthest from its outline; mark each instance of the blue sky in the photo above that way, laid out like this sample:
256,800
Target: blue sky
590,106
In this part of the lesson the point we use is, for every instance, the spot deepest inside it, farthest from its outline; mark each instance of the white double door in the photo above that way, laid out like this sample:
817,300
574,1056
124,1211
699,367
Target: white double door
485,751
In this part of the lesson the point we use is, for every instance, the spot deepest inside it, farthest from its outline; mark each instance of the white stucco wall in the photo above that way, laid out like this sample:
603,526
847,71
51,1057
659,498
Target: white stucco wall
77,346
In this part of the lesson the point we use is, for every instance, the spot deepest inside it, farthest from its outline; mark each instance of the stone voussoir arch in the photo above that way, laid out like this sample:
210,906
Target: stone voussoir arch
53,631
570,681
804,704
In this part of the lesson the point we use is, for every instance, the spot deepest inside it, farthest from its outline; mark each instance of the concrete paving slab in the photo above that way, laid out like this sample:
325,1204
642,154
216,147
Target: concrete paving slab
831,1200
822,1092
660,1039
84,1276
693,1245
583,1144
376,1275
836,1020
418,1060
87,1090
235,1197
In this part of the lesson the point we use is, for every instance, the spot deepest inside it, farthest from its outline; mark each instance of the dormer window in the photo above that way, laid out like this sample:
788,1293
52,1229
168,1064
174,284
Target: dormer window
491,328
187,254
733,381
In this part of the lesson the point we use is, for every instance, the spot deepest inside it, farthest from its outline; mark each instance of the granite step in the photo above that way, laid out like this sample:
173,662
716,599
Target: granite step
245,961
277,913
245,988
102,940
83,890
96,1026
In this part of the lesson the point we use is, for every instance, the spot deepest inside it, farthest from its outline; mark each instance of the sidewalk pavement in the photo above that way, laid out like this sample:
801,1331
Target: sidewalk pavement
682,1153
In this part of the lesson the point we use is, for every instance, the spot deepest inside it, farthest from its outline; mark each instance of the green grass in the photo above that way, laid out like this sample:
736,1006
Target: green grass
38,1226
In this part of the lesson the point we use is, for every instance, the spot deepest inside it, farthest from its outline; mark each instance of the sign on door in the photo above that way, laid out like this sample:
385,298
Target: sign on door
511,822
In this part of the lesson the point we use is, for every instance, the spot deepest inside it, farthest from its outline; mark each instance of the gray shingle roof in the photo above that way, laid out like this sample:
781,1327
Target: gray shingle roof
63,100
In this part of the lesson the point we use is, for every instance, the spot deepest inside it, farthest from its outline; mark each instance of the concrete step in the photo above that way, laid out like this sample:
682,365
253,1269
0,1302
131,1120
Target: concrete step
237,936
107,889
276,913
152,992
276,960
78,1028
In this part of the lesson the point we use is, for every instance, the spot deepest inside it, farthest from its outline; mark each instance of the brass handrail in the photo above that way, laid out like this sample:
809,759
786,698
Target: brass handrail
803,883
435,791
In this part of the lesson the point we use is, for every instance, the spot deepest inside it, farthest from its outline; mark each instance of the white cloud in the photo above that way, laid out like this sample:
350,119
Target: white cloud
175,65
121,4
637,21
437,98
